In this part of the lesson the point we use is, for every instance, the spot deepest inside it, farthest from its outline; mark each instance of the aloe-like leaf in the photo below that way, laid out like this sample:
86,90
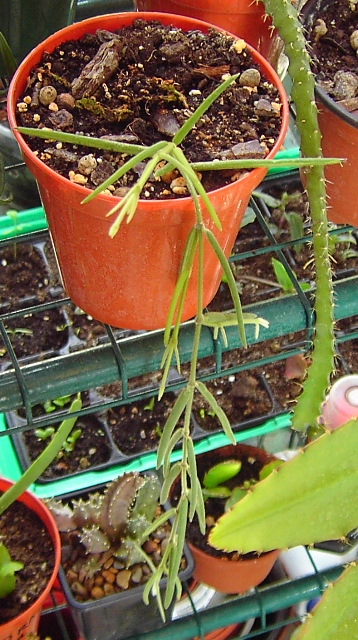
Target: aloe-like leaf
7,56
311,498
220,414
335,616
221,472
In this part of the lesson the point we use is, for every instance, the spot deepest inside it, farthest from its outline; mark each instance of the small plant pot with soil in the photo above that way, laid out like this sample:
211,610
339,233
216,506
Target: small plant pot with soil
128,280
244,18
31,537
107,559
331,30
228,573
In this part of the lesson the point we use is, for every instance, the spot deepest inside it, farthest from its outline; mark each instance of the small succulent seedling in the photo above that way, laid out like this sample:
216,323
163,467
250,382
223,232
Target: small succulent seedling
284,279
58,403
284,206
8,569
213,484
121,519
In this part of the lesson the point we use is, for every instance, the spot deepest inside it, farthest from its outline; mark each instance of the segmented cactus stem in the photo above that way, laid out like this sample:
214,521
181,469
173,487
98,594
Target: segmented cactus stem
285,18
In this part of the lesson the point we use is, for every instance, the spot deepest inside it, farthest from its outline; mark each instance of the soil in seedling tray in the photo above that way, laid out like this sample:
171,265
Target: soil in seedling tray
291,211
23,273
242,396
138,427
90,449
160,76
36,333
28,542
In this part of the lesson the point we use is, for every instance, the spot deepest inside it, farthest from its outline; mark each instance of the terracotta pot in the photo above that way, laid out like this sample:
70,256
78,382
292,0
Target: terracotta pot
128,281
223,574
27,622
339,130
244,18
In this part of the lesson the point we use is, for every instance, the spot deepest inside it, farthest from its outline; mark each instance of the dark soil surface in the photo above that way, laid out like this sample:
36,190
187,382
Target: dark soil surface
334,52
91,449
23,274
138,427
36,333
158,78
27,542
242,396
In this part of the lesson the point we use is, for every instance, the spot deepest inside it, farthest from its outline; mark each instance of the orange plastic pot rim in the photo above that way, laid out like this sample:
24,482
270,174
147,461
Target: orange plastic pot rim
33,503
76,31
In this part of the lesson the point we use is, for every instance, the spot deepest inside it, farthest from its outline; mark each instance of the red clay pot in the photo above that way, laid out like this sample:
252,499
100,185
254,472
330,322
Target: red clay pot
27,622
244,18
223,574
128,281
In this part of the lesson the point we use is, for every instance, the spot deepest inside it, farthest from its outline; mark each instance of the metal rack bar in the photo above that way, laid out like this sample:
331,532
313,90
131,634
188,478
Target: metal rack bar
98,365
272,598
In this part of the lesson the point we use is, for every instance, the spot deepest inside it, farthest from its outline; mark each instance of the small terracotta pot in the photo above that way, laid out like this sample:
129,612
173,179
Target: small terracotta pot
244,18
229,576
128,281
223,574
27,622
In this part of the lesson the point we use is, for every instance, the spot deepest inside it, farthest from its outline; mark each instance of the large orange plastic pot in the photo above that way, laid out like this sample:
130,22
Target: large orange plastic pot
339,130
244,18
229,575
27,622
128,281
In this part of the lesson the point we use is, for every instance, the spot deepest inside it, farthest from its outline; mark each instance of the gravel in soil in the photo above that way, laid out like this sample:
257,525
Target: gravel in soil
138,427
28,542
94,576
159,76
333,39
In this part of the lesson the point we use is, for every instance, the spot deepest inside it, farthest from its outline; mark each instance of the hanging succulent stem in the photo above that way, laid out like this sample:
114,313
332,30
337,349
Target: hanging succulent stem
190,501
285,18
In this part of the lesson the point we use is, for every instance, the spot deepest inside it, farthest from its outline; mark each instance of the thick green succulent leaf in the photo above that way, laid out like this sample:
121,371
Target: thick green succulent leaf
336,615
311,498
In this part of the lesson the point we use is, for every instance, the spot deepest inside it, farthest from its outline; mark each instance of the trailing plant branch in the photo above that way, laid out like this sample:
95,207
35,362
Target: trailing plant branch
285,18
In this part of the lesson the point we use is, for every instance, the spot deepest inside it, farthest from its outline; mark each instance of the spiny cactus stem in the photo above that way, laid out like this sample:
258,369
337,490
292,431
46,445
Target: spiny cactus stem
285,18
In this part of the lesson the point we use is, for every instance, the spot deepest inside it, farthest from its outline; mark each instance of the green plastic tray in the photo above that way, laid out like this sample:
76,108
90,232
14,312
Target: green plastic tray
10,466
